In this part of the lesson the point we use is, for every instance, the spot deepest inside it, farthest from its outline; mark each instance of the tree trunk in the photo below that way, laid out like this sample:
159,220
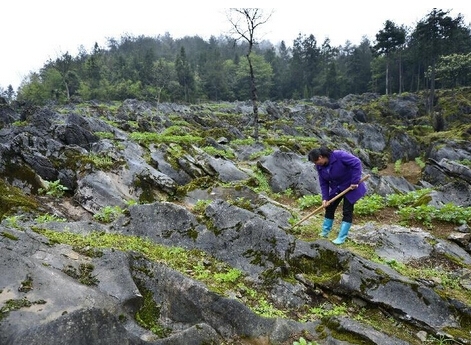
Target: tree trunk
253,88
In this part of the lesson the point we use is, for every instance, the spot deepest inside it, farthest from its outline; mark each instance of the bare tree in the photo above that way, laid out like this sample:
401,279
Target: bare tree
244,21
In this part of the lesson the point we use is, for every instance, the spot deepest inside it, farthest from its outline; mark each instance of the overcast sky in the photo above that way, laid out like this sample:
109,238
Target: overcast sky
34,31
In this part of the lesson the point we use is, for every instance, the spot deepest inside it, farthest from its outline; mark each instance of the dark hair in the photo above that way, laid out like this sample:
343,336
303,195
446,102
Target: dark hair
316,153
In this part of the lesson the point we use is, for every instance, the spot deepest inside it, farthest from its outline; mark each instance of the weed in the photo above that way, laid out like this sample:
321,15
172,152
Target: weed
323,310
15,304
420,162
307,201
54,189
218,153
9,236
45,218
108,214
83,274
369,204
101,161
410,198
263,185
12,221
200,206
441,340
303,341
265,152
241,203
230,276
104,135
398,166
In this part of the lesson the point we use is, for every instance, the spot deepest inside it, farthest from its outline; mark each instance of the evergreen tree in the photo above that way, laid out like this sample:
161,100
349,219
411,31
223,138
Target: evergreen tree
184,74
388,41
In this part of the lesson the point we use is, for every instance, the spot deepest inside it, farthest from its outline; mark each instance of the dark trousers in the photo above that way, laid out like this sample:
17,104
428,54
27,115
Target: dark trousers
347,210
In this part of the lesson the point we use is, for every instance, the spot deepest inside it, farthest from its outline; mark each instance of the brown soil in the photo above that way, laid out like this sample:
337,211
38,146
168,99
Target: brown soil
411,171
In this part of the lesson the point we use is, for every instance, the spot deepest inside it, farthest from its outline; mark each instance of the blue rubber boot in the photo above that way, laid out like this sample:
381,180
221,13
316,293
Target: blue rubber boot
326,227
344,227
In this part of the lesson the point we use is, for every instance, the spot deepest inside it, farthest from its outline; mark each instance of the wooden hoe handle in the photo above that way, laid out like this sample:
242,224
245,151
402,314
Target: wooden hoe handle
366,177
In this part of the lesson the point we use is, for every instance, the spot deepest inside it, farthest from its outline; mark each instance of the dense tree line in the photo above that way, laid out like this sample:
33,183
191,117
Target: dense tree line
436,53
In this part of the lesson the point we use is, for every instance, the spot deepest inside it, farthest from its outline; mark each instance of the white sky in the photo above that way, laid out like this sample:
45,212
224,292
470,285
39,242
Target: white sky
34,31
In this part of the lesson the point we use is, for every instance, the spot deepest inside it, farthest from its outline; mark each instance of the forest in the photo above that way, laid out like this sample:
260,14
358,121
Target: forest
434,54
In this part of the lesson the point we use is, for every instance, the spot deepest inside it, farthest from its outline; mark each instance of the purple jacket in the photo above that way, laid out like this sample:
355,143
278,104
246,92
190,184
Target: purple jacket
343,170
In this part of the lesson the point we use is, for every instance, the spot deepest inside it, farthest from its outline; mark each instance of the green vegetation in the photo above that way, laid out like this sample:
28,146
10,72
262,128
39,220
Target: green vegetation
13,221
303,341
369,205
45,218
218,153
148,138
262,185
13,200
104,135
398,166
218,276
148,315
307,201
9,236
83,274
321,311
54,188
108,214
16,304
100,161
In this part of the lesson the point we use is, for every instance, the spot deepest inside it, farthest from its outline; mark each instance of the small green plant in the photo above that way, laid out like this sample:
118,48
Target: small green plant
200,206
303,341
20,123
148,315
104,135
398,166
266,309
263,185
410,198
108,214
83,274
322,311
230,276
45,218
131,202
265,152
241,203
101,161
12,221
369,205
441,340
9,236
454,214
307,201
395,264
54,189
16,304
420,162
218,153
288,192
466,162
423,214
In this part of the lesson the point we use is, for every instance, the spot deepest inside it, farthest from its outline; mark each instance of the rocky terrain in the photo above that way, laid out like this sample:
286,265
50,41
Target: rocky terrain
140,223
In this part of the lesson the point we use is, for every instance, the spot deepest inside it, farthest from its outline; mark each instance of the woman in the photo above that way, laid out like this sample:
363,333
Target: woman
338,170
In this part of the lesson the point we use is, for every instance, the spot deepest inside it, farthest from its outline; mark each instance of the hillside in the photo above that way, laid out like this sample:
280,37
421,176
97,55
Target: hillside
155,223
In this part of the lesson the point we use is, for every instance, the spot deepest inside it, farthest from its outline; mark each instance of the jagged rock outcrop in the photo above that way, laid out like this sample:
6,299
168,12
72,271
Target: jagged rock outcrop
56,293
